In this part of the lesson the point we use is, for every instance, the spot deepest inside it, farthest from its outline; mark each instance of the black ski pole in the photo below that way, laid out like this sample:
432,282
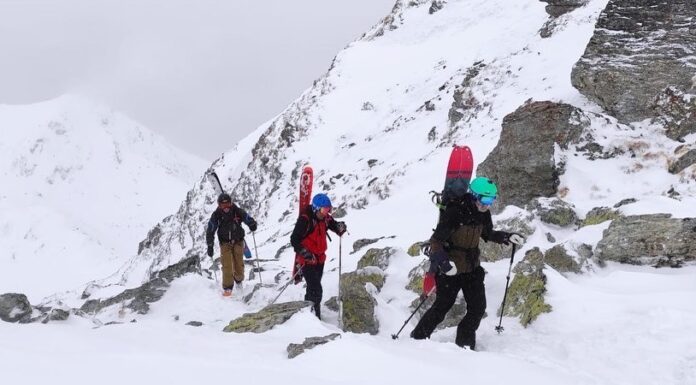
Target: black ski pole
425,297
500,328
256,251
292,279
340,298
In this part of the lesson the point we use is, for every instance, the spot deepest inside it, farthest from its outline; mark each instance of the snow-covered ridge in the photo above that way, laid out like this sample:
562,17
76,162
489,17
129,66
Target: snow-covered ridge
82,184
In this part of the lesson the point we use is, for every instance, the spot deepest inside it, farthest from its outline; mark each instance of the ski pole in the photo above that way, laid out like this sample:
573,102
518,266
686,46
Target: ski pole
214,272
500,328
299,270
256,251
340,299
425,297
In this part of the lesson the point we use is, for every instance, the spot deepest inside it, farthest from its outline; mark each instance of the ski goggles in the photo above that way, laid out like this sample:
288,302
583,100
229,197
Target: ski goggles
485,200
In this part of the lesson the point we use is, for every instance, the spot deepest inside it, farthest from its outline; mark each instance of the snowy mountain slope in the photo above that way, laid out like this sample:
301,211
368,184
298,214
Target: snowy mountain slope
377,128
82,184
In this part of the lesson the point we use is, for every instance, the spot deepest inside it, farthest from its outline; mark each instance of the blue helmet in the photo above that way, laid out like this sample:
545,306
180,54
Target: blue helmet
320,200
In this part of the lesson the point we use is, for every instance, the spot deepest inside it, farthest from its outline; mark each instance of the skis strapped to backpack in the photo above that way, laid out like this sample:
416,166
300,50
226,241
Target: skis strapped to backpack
306,180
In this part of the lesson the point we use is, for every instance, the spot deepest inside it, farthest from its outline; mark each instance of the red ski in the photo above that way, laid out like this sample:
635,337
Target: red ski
306,180
459,170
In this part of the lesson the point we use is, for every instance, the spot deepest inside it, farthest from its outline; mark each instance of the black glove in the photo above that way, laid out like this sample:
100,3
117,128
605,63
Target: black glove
515,238
307,255
439,261
341,228
210,250
253,226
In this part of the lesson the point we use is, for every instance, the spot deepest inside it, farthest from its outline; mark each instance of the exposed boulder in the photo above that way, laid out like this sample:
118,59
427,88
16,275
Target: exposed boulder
358,303
525,297
139,298
15,307
436,5
676,110
555,211
266,318
557,257
600,214
376,257
194,323
521,174
639,48
415,277
415,249
55,314
295,350
556,8
649,239
685,158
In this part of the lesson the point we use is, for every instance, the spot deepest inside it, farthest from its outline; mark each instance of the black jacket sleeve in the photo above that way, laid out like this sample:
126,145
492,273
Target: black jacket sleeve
213,224
299,233
491,235
246,218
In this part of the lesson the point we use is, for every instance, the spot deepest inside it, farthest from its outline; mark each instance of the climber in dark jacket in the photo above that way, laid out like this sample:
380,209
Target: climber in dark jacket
308,239
454,258
227,220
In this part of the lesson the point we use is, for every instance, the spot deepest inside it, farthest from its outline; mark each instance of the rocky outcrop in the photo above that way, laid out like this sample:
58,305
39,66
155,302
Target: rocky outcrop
676,111
638,50
521,174
558,258
555,211
415,277
525,297
556,8
295,350
376,257
266,318
139,298
15,307
599,215
358,301
686,157
649,239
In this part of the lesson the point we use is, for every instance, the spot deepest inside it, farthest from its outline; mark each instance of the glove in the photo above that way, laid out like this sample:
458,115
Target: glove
513,238
341,228
440,262
308,257
253,226
210,250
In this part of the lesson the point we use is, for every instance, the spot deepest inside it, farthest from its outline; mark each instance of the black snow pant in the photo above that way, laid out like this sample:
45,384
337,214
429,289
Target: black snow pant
312,275
471,284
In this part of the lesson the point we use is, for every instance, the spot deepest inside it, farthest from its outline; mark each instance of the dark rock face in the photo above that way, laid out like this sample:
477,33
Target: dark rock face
266,318
556,8
639,48
139,298
15,307
676,110
685,159
520,173
648,239
360,243
295,350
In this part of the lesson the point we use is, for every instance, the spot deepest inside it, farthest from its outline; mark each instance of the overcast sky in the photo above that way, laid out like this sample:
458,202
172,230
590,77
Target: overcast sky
202,73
